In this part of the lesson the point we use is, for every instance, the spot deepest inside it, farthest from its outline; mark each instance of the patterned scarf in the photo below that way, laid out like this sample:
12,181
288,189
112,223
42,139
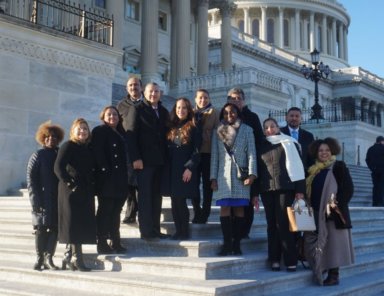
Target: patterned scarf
314,170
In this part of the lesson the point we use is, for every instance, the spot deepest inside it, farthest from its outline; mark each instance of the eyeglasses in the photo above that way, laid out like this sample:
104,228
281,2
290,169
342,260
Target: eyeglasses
235,98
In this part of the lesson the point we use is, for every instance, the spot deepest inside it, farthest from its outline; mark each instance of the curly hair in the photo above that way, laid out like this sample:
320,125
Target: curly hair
47,129
75,124
221,116
185,130
332,143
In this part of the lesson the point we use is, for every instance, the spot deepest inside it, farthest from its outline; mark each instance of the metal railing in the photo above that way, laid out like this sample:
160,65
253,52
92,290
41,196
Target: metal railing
336,112
63,16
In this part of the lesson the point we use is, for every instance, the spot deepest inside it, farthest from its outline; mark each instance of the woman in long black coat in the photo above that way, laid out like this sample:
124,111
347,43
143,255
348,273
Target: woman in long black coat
74,167
42,186
111,179
184,140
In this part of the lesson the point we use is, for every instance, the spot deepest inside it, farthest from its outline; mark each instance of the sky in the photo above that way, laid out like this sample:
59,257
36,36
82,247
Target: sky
365,37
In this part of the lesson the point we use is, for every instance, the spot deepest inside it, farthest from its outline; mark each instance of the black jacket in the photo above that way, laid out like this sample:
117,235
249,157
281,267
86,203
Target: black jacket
375,158
252,119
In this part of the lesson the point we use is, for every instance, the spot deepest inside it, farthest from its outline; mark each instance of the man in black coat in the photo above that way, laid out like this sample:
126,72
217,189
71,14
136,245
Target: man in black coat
375,162
237,97
147,148
293,129
126,109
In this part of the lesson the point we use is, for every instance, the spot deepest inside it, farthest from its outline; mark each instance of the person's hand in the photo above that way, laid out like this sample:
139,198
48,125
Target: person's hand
255,202
187,175
249,180
299,196
138,164
214,184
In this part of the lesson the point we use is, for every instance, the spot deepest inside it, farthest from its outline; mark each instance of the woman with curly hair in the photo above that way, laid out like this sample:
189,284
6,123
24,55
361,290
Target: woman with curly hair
42,186
74,167
184,140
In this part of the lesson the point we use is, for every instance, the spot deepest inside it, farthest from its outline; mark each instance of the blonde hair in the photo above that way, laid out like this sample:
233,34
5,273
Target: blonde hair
47,129
75,124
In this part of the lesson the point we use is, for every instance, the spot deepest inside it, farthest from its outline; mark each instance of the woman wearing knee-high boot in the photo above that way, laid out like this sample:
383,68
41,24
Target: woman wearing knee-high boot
184,140
233,147
42,186
74,167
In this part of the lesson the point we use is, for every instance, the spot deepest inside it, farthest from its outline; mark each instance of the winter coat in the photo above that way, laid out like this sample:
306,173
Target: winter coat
74,167
42,186
182,156
109,151
207,122
223,168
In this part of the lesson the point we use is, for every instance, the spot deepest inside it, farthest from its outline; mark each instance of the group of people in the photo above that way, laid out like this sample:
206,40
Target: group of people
142,152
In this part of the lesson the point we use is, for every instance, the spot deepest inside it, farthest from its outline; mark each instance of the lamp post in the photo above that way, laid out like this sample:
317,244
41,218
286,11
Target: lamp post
315,73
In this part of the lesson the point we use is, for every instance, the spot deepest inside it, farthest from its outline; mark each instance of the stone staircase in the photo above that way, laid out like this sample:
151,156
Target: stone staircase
171,268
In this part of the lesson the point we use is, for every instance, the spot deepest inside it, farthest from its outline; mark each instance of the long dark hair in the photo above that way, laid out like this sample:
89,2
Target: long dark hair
175,123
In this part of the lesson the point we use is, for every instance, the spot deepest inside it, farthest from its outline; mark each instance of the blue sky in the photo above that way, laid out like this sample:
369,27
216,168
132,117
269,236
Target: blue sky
365,38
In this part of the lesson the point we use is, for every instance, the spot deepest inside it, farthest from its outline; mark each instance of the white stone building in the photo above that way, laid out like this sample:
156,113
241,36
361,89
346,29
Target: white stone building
59,62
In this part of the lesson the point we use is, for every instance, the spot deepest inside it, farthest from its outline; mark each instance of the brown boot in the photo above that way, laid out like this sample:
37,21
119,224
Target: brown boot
332,278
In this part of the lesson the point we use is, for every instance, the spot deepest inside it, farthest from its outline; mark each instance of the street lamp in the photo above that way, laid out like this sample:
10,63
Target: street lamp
315,73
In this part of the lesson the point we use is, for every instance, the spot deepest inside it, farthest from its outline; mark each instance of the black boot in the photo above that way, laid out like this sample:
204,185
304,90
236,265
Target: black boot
77,258
50,250
332,278
116,245
40,242
226,228
238,234
67,259
102,246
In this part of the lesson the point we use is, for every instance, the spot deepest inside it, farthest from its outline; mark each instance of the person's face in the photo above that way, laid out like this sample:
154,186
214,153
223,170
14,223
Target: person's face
111,117
270,128
181,110
236,99
201,99
230,114
134,88
50,141
324,153
293,119
81,132
152,94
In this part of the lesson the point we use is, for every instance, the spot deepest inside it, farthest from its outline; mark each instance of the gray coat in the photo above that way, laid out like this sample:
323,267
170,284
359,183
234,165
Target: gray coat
224,170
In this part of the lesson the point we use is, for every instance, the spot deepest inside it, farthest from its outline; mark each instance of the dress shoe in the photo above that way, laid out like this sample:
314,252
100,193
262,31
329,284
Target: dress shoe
149,237
291,268
129,220
275,266
162,235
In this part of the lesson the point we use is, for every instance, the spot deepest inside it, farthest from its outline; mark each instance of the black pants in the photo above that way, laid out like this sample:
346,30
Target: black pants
149,200
132,206
203,170
280,239
108,217
378,189
180,215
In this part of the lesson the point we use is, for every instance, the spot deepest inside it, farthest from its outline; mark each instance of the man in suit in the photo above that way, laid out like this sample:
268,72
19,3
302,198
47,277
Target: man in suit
126,108
375,162
237,97
147,147
293,129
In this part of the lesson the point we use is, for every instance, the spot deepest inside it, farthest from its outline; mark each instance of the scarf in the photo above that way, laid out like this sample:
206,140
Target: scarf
314,170
200,111
293,162
227,132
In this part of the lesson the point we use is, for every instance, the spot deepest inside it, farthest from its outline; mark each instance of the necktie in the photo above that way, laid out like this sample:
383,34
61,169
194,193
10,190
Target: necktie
295,134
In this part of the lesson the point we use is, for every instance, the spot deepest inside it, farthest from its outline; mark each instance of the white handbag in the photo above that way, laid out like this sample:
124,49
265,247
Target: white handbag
301,217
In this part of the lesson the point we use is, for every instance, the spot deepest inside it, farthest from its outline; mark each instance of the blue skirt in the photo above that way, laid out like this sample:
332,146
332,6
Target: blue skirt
233,202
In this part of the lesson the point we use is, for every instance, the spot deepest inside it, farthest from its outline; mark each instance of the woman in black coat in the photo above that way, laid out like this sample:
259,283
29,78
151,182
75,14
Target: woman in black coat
111,179
74,167
184,141
42,186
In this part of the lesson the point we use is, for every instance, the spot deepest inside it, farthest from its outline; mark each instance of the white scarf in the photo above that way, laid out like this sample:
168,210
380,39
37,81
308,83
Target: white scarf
293,161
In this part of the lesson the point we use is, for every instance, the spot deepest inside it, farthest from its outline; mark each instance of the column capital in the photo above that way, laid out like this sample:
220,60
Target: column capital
202,2
227,8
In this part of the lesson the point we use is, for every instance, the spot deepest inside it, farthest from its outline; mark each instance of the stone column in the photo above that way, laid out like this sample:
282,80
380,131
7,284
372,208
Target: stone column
311,31
226,11
183,22
246,20
115,8
334,39
345,44
263,35
324,38
341,41
297,29
202,37
281,28
305,34
173,80
149,40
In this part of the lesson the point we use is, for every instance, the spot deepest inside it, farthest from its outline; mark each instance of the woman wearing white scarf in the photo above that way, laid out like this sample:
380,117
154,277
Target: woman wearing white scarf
281,180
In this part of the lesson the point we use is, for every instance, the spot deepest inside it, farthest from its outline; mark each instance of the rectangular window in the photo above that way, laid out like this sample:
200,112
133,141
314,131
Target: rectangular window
163,21
100,3
132,10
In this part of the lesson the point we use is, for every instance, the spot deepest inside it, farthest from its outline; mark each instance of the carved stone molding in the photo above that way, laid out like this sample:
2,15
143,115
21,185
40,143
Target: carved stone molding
55,57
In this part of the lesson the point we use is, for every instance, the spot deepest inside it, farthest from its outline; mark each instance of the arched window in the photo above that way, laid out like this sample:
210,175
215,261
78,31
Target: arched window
256,28
286,33
240,25
271,31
